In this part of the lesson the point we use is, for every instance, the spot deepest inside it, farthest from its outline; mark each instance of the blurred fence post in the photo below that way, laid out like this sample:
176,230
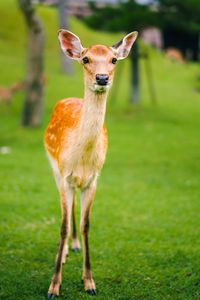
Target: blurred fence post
117,80
135,93
150,79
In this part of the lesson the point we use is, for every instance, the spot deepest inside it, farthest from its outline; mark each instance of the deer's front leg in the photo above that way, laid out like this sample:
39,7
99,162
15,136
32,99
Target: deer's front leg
66,198
87,196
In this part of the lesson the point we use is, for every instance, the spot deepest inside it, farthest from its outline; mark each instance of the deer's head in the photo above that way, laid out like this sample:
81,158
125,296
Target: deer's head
99,61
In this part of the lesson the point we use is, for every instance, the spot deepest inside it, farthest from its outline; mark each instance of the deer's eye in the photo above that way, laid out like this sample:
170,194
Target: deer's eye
85,60
114,60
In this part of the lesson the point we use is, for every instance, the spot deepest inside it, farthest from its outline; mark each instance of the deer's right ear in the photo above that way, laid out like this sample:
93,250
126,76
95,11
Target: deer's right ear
70,44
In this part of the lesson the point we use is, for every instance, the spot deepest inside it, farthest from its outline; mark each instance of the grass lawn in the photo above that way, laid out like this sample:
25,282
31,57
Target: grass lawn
145,222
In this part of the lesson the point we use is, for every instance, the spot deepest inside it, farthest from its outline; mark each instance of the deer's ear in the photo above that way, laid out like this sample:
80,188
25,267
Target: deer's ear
70,44
123,47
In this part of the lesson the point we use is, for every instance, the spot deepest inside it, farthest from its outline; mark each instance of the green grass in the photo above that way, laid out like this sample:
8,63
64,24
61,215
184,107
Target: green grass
145,229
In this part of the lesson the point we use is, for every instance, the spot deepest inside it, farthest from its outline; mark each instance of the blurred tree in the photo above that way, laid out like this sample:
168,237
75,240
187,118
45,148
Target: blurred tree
181,25
127,16
33,106
66,63
180,15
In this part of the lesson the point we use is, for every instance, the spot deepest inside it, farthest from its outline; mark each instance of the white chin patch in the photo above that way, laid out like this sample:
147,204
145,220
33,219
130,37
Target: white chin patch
100,88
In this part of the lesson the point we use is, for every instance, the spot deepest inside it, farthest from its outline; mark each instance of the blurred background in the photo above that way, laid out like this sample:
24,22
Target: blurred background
145,239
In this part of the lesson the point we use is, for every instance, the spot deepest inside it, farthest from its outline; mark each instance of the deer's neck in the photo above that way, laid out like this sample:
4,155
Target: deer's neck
92,116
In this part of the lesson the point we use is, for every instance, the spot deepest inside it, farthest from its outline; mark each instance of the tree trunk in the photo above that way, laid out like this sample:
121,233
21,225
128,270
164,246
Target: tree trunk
66,63
33,106
135,93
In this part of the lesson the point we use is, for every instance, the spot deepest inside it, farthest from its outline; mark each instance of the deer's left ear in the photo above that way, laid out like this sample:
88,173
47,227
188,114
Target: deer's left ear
70,44
123,47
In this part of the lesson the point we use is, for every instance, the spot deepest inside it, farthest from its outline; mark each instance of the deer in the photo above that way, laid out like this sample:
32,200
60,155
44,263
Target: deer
175,55
6,93
76,145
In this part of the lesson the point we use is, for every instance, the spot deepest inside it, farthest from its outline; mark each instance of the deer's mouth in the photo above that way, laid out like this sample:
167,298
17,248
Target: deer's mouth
97,88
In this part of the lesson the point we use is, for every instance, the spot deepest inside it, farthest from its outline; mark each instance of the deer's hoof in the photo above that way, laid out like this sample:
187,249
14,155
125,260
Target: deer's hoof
92,292
51,296
76,249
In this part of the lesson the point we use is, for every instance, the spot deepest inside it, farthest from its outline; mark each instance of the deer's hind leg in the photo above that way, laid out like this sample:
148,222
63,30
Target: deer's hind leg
75,242
66,199
87,196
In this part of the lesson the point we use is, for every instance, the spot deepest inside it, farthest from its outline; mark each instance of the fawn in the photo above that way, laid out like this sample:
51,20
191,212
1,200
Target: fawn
76,144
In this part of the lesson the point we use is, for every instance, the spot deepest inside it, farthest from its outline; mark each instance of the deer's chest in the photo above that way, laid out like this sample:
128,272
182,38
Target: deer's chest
84,163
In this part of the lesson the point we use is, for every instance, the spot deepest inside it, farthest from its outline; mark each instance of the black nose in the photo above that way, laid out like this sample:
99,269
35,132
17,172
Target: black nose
102,79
